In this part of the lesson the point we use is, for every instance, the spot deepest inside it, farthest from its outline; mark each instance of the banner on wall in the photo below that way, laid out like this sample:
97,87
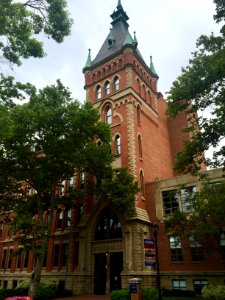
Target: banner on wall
149,252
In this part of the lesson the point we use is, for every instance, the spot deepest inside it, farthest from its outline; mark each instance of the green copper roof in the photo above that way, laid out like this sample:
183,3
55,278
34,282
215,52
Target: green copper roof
119,4
88,62
152,66
128,39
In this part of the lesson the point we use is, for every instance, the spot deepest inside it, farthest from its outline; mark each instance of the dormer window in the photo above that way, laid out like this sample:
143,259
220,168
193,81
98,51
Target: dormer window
108,115
107,88
116,83
98,92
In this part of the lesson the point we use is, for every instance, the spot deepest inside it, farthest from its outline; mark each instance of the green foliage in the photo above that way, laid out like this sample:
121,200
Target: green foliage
20,22
123,294
46,289
119,189
150,294
206,219
214,292
200,89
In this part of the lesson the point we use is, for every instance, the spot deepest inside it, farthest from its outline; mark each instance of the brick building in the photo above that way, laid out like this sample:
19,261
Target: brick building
100,250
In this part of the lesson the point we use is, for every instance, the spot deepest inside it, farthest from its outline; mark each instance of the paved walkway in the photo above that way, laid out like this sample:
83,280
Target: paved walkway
88,297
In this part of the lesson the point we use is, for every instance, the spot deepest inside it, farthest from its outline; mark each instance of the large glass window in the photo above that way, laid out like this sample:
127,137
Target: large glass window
186,195
170,201
108,227
175,248
179,284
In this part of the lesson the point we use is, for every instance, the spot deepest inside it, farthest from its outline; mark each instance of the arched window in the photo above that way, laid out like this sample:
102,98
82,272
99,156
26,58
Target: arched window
108,227
108,115
143,94
117,145
107,88
138,115
142,184
139,146
139,87
98,92
116,83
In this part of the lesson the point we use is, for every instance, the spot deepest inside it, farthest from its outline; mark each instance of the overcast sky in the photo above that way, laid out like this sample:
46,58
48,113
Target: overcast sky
165,29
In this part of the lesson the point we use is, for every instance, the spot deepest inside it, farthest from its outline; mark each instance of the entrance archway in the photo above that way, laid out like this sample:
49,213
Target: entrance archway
108,264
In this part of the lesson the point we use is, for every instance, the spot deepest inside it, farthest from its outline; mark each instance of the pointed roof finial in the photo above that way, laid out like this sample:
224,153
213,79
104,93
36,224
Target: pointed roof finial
135,42
152,66
119,4
88,62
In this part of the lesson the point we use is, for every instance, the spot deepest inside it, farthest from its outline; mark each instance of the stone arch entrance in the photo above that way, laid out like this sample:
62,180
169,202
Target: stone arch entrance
108,253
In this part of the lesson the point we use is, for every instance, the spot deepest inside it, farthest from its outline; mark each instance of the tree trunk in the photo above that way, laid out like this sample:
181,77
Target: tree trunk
36,275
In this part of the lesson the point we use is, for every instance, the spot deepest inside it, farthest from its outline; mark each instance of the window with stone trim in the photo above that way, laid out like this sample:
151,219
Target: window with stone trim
98,92
178,199
138,115
107,88
142,183
176,254
139,146
117,145
56,254
108,115
179,284
116,84
197,252
65,254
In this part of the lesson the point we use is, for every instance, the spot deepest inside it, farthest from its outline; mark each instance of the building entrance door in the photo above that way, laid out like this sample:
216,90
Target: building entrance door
108,268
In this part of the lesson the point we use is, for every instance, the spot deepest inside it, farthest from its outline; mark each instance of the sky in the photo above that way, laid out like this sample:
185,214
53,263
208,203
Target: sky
166,29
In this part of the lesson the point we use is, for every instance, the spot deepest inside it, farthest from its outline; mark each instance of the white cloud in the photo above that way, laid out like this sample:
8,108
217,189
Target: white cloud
166,29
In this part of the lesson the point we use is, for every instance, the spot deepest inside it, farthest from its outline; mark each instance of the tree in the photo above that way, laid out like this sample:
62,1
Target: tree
205,223
201,88
42,143
21,21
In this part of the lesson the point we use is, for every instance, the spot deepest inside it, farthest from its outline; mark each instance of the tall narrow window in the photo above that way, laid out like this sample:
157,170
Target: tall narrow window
98,92
108,115
65,253
175,248
197,253
138,115
117,145
139,146
82,179
56,255
142,184
59,219
107,88
116,84
62,188
71,184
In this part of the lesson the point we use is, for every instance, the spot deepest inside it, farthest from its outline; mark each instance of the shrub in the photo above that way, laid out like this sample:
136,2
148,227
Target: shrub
150,294
214,292
123,294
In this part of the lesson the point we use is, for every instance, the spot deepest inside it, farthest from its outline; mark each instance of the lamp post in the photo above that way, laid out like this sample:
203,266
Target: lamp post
155,227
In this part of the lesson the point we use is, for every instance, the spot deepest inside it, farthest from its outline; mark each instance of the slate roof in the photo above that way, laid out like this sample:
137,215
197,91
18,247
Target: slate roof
120,35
